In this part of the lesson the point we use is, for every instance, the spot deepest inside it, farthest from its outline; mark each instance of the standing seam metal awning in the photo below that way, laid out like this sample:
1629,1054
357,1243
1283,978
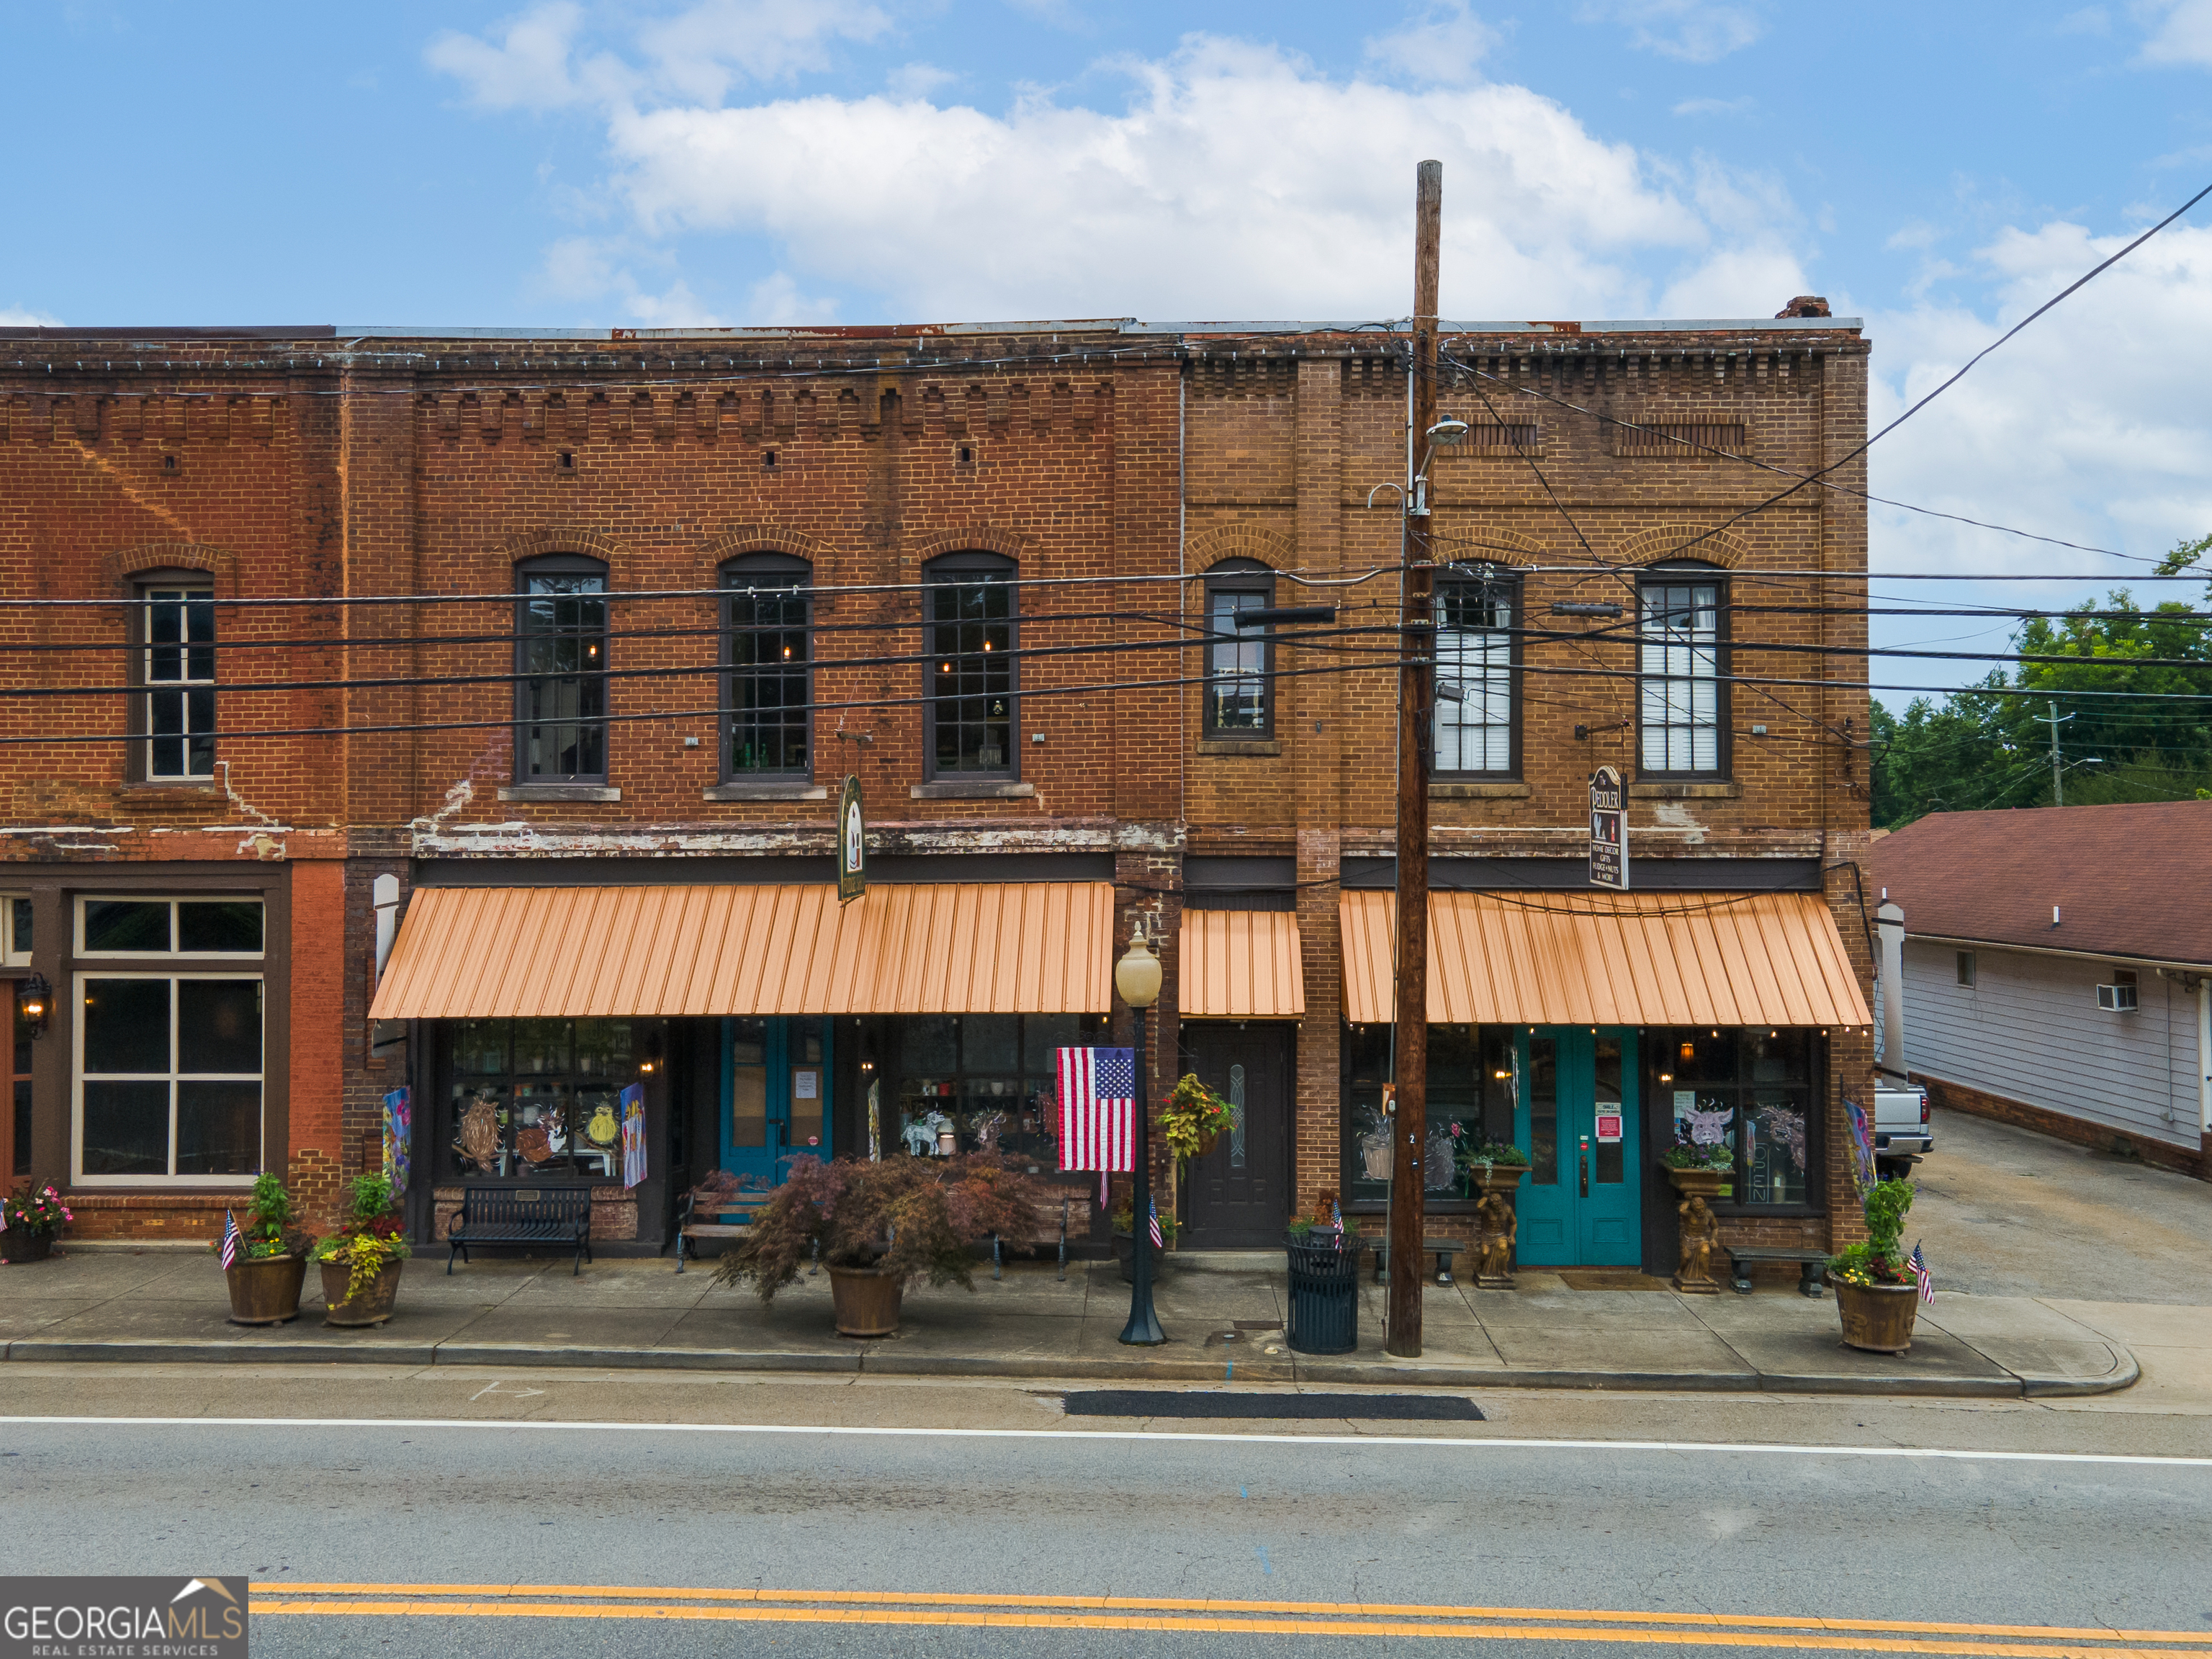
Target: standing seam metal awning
1577,958
924,948
1240,964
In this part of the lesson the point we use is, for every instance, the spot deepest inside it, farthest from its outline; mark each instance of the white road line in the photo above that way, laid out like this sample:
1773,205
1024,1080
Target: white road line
1761,1449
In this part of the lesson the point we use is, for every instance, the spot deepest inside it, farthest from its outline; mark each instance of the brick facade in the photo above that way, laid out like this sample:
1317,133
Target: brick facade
316,470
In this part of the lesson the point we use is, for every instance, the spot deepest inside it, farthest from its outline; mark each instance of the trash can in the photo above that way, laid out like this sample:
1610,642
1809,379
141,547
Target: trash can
1324,1292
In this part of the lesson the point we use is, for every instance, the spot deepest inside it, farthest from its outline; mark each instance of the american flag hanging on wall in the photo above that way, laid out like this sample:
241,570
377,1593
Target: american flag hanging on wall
1098,1109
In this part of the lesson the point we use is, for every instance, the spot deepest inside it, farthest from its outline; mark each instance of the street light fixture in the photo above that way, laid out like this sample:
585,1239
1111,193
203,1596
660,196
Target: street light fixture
1444,434
1137,977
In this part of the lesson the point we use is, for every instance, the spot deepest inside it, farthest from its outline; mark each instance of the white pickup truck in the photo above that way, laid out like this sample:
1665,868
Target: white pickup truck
1900,1125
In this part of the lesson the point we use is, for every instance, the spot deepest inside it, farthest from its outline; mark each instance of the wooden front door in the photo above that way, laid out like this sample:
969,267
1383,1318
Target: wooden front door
1237,1196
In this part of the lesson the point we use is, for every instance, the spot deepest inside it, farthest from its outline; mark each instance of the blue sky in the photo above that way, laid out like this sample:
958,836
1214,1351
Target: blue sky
1936,169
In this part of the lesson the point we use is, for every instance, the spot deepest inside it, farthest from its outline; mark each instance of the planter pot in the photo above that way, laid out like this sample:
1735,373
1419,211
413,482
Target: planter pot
1208,1142
1699,1231
1125,1248
265,1290
372,1307
20,1244
1878,1318
1324,1301
865,1300
1497,1224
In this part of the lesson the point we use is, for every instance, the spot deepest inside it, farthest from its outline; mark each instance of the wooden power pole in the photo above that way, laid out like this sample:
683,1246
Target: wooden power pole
1410,1050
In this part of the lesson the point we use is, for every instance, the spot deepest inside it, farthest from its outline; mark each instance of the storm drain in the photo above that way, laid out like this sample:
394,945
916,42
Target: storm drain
1172,1402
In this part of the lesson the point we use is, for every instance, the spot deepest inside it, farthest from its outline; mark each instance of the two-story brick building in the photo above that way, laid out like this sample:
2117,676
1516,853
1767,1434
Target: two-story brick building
465,713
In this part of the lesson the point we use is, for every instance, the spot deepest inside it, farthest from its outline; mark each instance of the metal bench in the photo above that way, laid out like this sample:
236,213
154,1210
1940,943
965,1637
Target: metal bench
523,1215
1442,1248
1810,1263
716,1212
1045,1235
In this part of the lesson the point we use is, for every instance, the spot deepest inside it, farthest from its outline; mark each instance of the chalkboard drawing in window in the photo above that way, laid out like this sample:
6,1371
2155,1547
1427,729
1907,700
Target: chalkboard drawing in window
969,600
1238,660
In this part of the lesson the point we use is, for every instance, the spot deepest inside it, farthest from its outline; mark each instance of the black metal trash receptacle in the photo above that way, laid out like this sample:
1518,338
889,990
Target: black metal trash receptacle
1324,1293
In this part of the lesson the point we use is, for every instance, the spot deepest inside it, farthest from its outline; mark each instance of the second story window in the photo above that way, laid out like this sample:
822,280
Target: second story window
1681,705
177,666
1237,703
1476,734
768,727
970,625
560,654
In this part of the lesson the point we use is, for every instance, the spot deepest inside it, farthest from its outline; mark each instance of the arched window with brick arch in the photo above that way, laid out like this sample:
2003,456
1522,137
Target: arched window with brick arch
561,665
174,663
1682,672
1239,693
974,719
767,725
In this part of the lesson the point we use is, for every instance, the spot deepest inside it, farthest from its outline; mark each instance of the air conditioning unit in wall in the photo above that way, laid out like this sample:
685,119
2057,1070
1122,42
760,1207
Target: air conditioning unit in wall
2116,999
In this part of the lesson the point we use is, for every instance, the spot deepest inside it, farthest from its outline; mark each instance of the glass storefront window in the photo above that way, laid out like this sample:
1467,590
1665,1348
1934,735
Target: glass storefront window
169,1070
537,1097
1470,1094
1755,1090
971,1081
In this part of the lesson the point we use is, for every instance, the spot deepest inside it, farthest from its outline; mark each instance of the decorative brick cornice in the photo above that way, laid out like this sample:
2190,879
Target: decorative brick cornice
117,567
1652,545
1239,541
563,538
763,538
1505,547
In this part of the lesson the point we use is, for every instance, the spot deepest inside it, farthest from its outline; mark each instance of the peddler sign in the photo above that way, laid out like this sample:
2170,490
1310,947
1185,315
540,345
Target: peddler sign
852,844
123,1617
1608,842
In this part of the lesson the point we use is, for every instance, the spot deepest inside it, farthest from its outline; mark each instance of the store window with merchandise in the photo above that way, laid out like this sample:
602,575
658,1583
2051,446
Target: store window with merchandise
532,1099
1470,1101
1755,1090
966,1083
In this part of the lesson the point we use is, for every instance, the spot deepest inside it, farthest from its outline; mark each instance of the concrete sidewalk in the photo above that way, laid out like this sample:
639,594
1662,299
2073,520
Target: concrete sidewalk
1222,1313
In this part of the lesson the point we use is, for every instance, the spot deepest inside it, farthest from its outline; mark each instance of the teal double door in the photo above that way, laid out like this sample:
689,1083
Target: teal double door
775,1094
1575,1111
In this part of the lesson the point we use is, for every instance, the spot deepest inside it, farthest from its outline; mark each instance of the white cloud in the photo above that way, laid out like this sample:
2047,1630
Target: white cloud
2184,34
528,67
776,300
678,307
1695,31
1236,183
1443,44
912,80
1742,106
24,317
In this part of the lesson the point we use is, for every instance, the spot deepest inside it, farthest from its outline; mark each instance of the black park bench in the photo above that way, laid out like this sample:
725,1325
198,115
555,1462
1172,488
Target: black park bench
1810,1263
1442,1248
523,1215
716,1212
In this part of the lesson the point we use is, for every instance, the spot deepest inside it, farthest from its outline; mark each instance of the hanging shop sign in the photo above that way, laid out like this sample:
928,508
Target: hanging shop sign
1608,841
852,844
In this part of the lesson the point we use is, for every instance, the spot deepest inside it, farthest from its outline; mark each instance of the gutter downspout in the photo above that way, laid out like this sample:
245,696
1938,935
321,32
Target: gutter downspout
1889,922
2204,1057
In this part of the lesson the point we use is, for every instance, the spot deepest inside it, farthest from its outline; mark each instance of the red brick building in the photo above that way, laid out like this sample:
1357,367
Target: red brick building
519,673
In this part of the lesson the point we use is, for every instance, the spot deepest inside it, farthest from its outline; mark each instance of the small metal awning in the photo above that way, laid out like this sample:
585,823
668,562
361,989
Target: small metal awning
1240,964
923,948
1592,958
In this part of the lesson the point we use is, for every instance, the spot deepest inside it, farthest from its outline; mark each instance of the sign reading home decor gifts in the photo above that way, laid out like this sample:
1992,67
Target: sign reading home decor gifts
1608,841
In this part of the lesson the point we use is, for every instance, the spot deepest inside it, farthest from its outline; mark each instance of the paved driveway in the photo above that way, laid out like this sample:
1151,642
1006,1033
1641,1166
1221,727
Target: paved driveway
2004,1211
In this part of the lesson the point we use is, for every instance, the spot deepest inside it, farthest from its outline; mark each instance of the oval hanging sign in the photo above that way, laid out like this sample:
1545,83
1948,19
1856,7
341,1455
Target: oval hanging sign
852,843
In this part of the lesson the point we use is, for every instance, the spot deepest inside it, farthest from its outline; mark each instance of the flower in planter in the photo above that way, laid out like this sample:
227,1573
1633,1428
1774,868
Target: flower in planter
28,1210
1194,1113
1877,1261
269,1230
370,1238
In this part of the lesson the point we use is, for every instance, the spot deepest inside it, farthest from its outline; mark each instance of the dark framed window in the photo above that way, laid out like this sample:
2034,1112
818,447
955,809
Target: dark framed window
974,722
1238,661
526,1099
1966,967
768,653
560,653
1478,676
1470,1079
175,663
1755,1089
1682,648
988,1079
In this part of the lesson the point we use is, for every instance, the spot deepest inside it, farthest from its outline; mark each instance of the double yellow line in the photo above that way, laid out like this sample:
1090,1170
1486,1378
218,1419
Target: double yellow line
1212,1616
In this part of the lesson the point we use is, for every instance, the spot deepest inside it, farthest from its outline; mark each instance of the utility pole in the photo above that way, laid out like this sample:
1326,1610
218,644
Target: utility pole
2057,778
1410,1049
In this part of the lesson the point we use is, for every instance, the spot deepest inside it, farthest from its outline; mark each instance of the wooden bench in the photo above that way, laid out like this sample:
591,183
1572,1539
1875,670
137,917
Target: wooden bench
523,1215
1810,1263
1442,1248
1046,1234
716,1212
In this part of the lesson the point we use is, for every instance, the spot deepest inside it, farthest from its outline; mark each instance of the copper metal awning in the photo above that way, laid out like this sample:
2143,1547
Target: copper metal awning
1240,964
924,948
1589,958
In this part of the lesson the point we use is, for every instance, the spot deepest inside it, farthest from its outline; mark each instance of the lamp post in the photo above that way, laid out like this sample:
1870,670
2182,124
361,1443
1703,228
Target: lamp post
1137,977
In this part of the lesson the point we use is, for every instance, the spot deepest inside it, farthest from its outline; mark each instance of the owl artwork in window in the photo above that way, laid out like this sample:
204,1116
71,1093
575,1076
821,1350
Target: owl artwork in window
1707,1128
603,1129
479,1135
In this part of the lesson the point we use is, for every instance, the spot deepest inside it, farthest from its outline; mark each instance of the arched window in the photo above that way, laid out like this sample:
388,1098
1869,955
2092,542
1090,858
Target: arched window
1681,691
175,662
767,725
1238,703
560,656
1478,659
974,723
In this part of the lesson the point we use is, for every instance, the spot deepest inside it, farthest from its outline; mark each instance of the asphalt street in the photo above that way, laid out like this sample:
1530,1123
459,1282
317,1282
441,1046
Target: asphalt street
552,1516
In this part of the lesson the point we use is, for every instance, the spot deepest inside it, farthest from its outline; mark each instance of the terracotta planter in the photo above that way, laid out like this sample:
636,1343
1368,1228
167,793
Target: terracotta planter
265,1290
20,1244
1698,1230
1125,1248
1497,1223
1878,1318
372,1307
866,1301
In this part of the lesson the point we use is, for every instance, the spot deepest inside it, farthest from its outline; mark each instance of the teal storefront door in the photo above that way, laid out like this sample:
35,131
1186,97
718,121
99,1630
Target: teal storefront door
1575,1112
775,1093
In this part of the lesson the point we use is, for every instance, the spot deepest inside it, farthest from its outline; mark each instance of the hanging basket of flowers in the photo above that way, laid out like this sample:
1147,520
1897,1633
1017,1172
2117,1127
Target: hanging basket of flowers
1193,1120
